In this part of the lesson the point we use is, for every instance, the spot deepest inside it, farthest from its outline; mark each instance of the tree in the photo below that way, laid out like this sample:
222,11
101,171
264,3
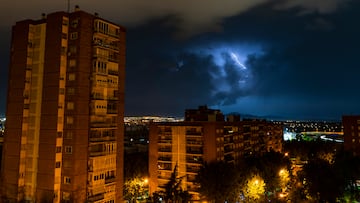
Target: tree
218,181
347,166
254,189
173,192
134,188
321,181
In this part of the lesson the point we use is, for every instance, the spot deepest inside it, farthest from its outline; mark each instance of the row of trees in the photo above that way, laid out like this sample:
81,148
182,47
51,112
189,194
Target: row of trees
253,179
308,172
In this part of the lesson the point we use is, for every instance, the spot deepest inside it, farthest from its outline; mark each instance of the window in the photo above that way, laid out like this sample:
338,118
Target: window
70,106
67,180
69,120
71,77
70,91
72,63
57,164
69,135
75,23
72,49
63,50
73,35
58,149
68,149
61,90
65,22
64,35
66,196
59,134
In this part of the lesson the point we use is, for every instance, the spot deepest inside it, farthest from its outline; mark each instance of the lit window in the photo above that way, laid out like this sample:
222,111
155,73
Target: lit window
65,22
68,149
58,149
73,35
67,180
66,196
72,63
70,106
61,90
71,76
69,120
74,23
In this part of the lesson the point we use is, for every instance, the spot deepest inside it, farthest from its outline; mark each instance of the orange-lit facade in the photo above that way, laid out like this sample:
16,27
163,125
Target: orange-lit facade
65,107
351,126
190,143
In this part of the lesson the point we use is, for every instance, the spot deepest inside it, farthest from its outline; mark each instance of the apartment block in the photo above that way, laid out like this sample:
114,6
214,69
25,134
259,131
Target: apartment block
190,143
65,107
351,124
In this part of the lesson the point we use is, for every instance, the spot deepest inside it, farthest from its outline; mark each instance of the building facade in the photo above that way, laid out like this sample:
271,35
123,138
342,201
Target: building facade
351,126
189,144
65,108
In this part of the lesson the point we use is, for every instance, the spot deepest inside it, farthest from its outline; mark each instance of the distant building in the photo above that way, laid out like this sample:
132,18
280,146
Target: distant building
352,133
65,109
190,143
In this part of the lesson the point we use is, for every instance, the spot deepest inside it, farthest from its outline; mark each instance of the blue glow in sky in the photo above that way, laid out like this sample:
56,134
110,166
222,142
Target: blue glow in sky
229,59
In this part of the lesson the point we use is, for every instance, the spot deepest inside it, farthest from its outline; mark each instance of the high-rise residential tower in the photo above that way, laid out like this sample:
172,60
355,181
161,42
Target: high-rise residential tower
65,109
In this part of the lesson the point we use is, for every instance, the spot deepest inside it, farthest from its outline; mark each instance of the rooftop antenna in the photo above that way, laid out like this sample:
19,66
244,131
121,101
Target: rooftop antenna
68,6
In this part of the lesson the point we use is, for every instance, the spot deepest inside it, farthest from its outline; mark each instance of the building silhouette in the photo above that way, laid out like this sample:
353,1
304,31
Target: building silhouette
65,108
351,124
205,136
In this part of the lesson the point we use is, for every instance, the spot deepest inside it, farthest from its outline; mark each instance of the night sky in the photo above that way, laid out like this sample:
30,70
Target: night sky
295,59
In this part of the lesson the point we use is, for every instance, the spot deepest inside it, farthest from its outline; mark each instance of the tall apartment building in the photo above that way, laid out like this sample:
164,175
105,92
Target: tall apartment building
351,126
205,137
65,110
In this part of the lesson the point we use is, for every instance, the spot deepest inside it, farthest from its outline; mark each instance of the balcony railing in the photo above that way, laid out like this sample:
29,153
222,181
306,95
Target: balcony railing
96,197
195,133
110,179
102,125
102,139
98,153
113,72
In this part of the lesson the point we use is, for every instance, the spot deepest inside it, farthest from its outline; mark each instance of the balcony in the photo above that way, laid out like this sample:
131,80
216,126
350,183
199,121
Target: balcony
110,179
165,149
97,97
193,150
164,158
102,139
105,45
113,72
112,98
97,153
111,111
107,32
193,133
193,142
96,197
102,125
164,141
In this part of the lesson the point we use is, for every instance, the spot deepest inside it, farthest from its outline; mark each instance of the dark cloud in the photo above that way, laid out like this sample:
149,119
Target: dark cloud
300,55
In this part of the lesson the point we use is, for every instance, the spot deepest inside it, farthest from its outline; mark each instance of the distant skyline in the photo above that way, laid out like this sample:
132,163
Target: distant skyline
291,59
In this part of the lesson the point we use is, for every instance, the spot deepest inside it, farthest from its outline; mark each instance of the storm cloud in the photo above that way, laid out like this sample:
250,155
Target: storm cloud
295,58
